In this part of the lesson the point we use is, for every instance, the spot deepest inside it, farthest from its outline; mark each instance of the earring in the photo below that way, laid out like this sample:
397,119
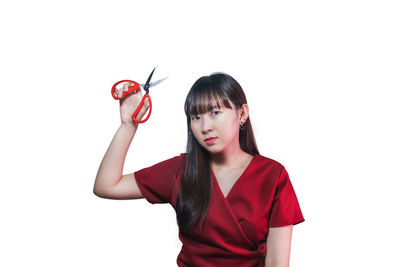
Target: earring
242,127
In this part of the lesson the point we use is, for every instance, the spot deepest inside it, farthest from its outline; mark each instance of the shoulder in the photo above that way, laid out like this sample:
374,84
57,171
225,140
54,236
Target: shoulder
181,157
174,159
271,168
267,162
172,163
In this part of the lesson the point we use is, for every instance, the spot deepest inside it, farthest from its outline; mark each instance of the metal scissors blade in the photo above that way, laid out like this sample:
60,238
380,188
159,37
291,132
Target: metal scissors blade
157,82
147,84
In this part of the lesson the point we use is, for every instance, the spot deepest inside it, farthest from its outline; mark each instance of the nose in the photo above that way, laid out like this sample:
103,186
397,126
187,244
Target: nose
206,125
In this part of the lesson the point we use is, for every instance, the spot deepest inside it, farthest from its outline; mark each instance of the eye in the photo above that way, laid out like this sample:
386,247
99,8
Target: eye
194,117
216,111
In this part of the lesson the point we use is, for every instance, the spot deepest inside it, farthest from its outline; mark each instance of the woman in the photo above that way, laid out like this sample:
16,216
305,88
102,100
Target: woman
234,206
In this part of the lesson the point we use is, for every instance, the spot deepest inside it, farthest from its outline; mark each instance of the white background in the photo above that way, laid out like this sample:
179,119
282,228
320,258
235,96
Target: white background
321,80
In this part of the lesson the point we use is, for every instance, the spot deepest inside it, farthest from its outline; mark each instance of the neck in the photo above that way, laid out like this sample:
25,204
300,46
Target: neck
229,157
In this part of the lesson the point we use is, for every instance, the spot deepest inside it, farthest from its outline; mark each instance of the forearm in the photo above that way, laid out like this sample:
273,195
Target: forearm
270,263
111,167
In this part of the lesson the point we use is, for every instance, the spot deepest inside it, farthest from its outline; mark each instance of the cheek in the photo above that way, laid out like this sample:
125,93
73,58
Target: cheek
227,124
228,129
194,131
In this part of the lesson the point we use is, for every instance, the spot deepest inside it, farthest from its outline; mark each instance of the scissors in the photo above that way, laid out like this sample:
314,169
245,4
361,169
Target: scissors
135,87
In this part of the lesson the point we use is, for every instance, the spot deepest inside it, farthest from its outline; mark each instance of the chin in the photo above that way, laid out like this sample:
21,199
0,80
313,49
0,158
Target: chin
214,150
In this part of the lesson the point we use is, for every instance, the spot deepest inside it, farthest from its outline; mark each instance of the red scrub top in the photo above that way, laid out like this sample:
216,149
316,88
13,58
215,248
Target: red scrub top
236,227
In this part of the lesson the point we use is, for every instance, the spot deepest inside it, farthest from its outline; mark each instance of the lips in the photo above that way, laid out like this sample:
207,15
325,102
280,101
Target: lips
210,140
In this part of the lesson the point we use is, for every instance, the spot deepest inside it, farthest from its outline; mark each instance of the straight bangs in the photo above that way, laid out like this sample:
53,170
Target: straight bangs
204,97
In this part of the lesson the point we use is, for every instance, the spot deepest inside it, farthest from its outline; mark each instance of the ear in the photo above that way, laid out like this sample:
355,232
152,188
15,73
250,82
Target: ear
244,112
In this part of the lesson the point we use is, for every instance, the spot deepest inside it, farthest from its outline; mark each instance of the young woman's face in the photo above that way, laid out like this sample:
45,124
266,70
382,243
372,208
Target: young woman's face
221,123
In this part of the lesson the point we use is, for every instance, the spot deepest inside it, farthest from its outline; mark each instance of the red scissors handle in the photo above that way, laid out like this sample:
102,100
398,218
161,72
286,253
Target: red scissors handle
135,86
139,107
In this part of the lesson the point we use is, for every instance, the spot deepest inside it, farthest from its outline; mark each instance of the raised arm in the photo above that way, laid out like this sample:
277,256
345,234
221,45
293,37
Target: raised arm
110,183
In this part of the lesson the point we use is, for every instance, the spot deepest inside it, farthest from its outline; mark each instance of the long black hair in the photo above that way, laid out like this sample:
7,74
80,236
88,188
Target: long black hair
195,190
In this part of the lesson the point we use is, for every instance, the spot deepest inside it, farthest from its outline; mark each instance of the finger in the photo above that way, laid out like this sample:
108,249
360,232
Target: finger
146,105
128,86
116,91
119,93
125,87
144,108
143,111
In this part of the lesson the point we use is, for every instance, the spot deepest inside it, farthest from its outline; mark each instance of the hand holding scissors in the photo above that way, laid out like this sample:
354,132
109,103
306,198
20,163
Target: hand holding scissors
134,86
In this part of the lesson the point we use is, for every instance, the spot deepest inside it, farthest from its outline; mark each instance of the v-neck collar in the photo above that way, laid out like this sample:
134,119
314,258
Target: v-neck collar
237,181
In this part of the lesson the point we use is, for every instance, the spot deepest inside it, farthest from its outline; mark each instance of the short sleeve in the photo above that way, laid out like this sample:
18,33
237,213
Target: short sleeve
156,182
285,208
